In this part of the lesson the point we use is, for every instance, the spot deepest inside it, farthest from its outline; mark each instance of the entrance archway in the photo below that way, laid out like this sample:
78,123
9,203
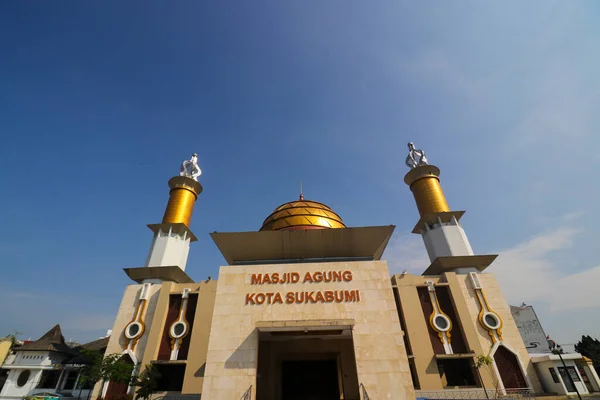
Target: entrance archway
509,369
307,364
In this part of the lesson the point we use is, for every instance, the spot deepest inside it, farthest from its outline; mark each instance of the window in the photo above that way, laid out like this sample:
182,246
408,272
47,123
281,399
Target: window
70,380
554,375
49,379
457,372
23,378
571,371
171,377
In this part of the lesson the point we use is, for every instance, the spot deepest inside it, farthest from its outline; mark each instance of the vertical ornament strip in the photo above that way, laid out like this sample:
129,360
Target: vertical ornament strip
438,320
135,328
488,318
180,328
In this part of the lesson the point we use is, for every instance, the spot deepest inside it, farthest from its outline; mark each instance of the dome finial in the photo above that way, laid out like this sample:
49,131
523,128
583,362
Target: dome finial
301,195
416,157
190,168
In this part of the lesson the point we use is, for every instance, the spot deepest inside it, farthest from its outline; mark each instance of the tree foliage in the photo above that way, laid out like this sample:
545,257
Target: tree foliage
483,360
487,361
591,349
146,382
110,368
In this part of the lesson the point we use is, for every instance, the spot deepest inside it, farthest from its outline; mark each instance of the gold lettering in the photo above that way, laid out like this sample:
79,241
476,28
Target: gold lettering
278,298
337,276
275,277
256,279
250,298
319,297
260,298
308,278
289,298
308,296
295,277
318,276
349,296
347,276
329,296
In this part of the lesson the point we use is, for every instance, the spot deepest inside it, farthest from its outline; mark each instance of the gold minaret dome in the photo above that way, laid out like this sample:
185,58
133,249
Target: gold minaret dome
302,215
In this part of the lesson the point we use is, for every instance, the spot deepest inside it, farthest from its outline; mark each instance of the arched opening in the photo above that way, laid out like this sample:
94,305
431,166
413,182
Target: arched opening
509,369
118,390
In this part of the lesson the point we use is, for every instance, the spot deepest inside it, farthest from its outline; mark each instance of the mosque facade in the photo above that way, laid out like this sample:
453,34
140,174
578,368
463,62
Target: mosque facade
307,308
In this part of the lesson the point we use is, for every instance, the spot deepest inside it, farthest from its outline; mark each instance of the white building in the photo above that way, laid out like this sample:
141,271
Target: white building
47,365
560,374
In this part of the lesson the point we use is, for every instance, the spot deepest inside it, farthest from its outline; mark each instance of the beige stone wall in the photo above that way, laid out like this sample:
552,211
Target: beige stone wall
382,363
194,371
196,363
510,333
417,329
5,345
155,316
158,323
117,341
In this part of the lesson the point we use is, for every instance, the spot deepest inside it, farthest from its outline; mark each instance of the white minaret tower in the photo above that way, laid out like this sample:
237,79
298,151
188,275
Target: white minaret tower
170,246
445,240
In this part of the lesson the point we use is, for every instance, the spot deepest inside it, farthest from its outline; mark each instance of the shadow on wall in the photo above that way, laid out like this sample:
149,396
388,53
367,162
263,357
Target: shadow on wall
245,356
200,372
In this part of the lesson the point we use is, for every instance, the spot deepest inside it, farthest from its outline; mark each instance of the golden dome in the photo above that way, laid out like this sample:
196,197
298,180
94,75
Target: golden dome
302,214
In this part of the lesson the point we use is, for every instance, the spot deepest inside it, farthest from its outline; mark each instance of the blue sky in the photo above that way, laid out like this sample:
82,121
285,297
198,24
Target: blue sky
101,101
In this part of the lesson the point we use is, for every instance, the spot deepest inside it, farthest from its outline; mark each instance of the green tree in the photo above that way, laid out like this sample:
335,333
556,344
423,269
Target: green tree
146,382
104,369
591,349
486,361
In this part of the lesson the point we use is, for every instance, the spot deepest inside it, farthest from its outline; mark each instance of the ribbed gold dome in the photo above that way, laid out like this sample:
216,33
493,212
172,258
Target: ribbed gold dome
302,214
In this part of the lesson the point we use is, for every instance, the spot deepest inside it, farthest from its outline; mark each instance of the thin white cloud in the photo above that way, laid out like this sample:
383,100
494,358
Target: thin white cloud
406,252
535,272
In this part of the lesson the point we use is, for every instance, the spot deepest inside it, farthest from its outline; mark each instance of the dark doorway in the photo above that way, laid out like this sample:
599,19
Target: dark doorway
310,379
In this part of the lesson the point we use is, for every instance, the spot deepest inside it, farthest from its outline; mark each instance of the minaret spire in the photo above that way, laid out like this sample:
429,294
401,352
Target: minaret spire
442,234
168,253
301,195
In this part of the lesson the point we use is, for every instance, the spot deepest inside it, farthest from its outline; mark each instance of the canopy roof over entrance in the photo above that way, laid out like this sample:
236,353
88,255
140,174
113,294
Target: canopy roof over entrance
318,245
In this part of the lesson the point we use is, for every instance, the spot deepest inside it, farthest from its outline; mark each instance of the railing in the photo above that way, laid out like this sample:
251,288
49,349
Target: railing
178,397
519,393
363,392
479,394
248,394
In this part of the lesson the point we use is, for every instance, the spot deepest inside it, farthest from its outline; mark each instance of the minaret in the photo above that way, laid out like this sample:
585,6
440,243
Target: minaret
170,246
445,240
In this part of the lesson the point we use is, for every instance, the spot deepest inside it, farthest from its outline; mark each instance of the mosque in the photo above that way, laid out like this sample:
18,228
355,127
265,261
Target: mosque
307,309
